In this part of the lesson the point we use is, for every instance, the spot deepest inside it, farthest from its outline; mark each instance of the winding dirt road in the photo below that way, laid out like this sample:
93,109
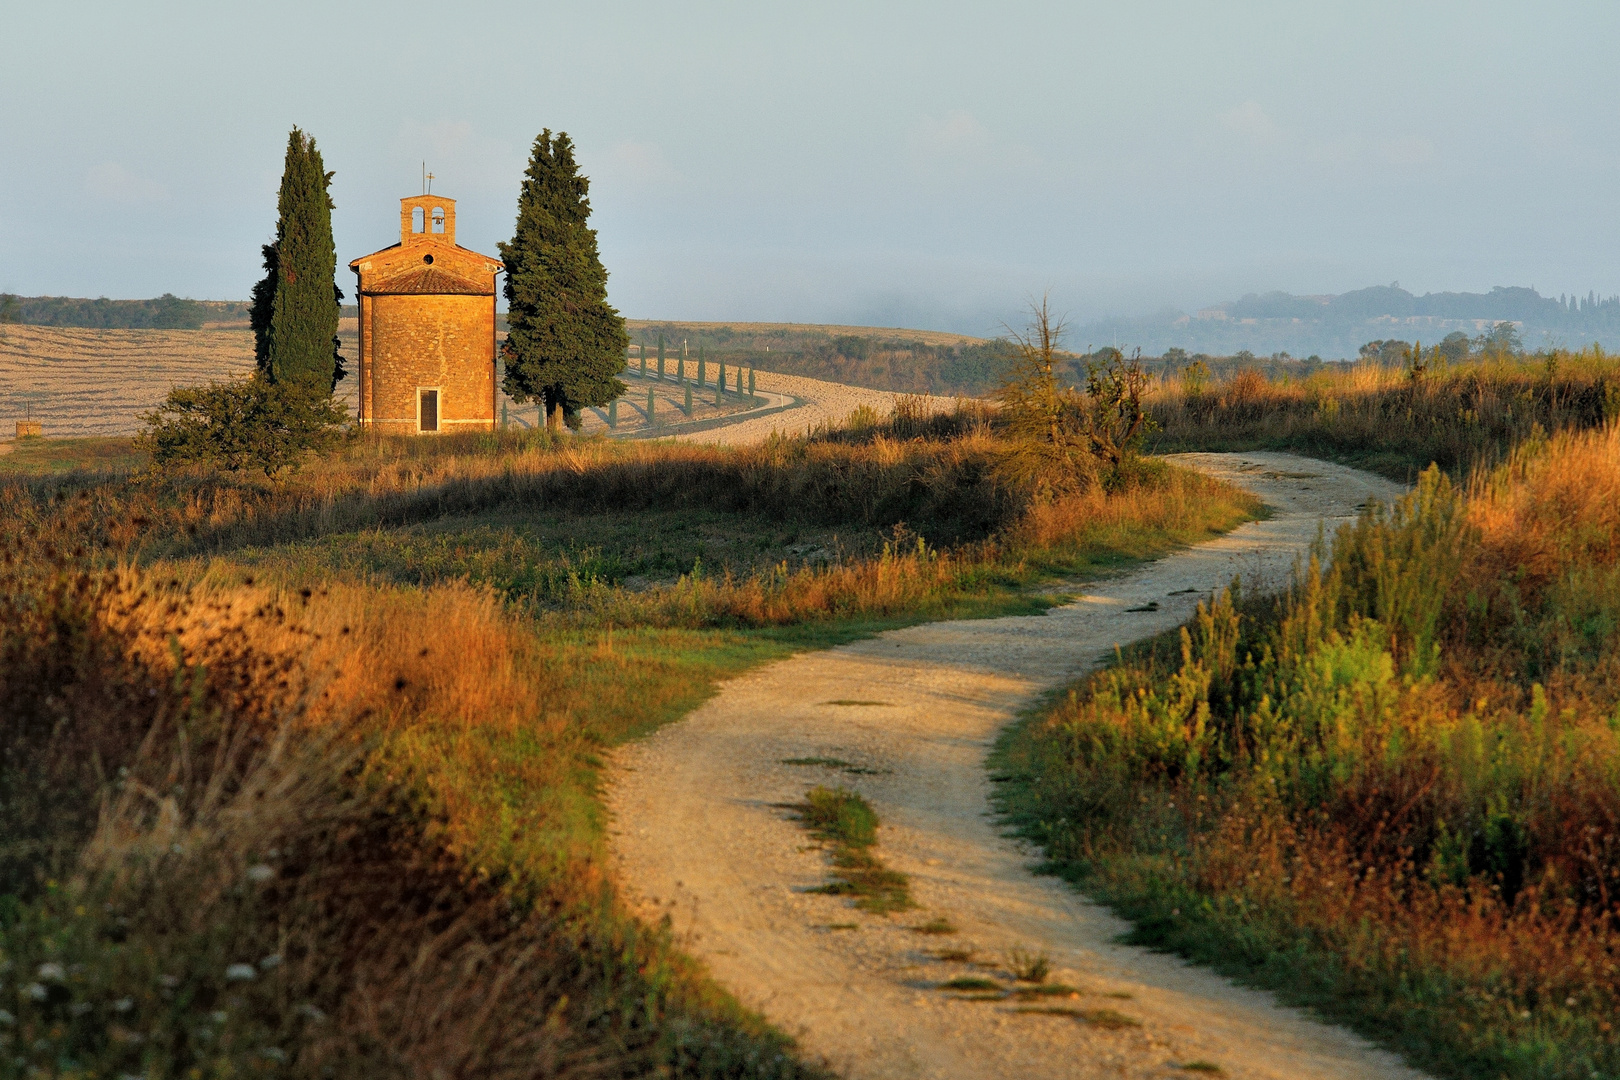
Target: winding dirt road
701,835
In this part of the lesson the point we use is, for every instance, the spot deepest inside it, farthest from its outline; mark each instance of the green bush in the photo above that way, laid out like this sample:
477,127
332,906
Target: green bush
245,423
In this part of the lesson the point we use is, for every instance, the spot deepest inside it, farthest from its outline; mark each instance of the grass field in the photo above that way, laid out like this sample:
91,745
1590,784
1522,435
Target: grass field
1389,794
302,777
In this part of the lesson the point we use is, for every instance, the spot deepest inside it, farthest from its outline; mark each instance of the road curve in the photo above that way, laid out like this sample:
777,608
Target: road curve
700,834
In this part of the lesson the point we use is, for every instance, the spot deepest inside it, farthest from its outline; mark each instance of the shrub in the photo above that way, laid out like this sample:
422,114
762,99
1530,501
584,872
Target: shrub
241,424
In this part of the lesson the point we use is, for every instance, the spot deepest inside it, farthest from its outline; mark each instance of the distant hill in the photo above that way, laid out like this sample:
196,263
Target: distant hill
1335,327
166,312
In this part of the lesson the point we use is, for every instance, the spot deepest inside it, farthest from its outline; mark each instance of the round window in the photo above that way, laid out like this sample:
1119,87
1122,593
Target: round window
428,259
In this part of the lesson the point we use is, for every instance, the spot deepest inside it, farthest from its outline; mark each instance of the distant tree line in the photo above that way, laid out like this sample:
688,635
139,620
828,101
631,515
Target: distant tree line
1336,326
166,312
1501,304
1502,340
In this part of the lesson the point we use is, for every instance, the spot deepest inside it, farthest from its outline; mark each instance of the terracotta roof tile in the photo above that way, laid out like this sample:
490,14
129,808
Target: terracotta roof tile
430,280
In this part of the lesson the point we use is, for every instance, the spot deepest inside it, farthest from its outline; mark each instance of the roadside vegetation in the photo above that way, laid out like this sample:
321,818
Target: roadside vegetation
302,771
1390,793
1409,408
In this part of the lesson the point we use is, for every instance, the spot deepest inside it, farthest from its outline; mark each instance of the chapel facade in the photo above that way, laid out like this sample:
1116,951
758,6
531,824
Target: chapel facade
427,327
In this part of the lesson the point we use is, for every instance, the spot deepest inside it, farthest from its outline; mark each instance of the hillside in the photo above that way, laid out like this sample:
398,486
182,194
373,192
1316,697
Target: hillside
98,382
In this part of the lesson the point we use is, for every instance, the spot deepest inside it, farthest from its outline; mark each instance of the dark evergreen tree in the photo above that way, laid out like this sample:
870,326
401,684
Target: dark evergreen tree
296,303
565,344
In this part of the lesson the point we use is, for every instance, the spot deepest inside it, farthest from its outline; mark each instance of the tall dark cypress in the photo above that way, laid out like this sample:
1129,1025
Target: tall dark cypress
296,303
565,345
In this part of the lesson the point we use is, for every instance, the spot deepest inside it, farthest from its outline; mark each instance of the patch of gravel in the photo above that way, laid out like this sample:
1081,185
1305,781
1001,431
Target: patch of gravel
700,835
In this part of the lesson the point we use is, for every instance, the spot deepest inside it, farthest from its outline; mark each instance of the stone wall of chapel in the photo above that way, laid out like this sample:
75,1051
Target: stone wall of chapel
419,341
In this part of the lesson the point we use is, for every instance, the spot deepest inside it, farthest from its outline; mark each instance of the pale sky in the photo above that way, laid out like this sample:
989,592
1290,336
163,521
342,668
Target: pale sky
929,165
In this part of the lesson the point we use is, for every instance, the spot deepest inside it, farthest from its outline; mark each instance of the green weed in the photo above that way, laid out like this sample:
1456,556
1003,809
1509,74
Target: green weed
936,926
1045,990
1107,1018
847,821
837,763
1027,966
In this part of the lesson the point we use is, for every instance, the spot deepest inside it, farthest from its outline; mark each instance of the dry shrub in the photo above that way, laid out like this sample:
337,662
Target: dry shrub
243,844
941,487
1549,508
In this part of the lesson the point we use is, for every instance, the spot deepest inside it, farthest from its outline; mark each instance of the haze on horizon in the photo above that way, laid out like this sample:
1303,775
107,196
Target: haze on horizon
897,164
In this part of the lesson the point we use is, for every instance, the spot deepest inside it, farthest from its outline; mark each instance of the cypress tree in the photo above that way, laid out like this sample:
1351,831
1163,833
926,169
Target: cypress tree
565,344
296,304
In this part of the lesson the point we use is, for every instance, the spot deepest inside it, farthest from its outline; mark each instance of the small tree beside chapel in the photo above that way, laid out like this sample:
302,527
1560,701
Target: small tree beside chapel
565,344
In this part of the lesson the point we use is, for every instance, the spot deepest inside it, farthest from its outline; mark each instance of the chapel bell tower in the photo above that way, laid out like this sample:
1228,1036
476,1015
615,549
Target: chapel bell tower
427,327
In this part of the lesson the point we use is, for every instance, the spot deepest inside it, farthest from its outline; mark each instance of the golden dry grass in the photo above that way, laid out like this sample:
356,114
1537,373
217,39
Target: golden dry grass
415,769
1394,421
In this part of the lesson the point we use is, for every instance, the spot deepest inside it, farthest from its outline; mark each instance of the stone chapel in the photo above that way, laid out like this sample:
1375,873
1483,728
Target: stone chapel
427,327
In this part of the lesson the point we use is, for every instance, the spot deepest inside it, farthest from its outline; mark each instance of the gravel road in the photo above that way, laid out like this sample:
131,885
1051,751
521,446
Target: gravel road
700,834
